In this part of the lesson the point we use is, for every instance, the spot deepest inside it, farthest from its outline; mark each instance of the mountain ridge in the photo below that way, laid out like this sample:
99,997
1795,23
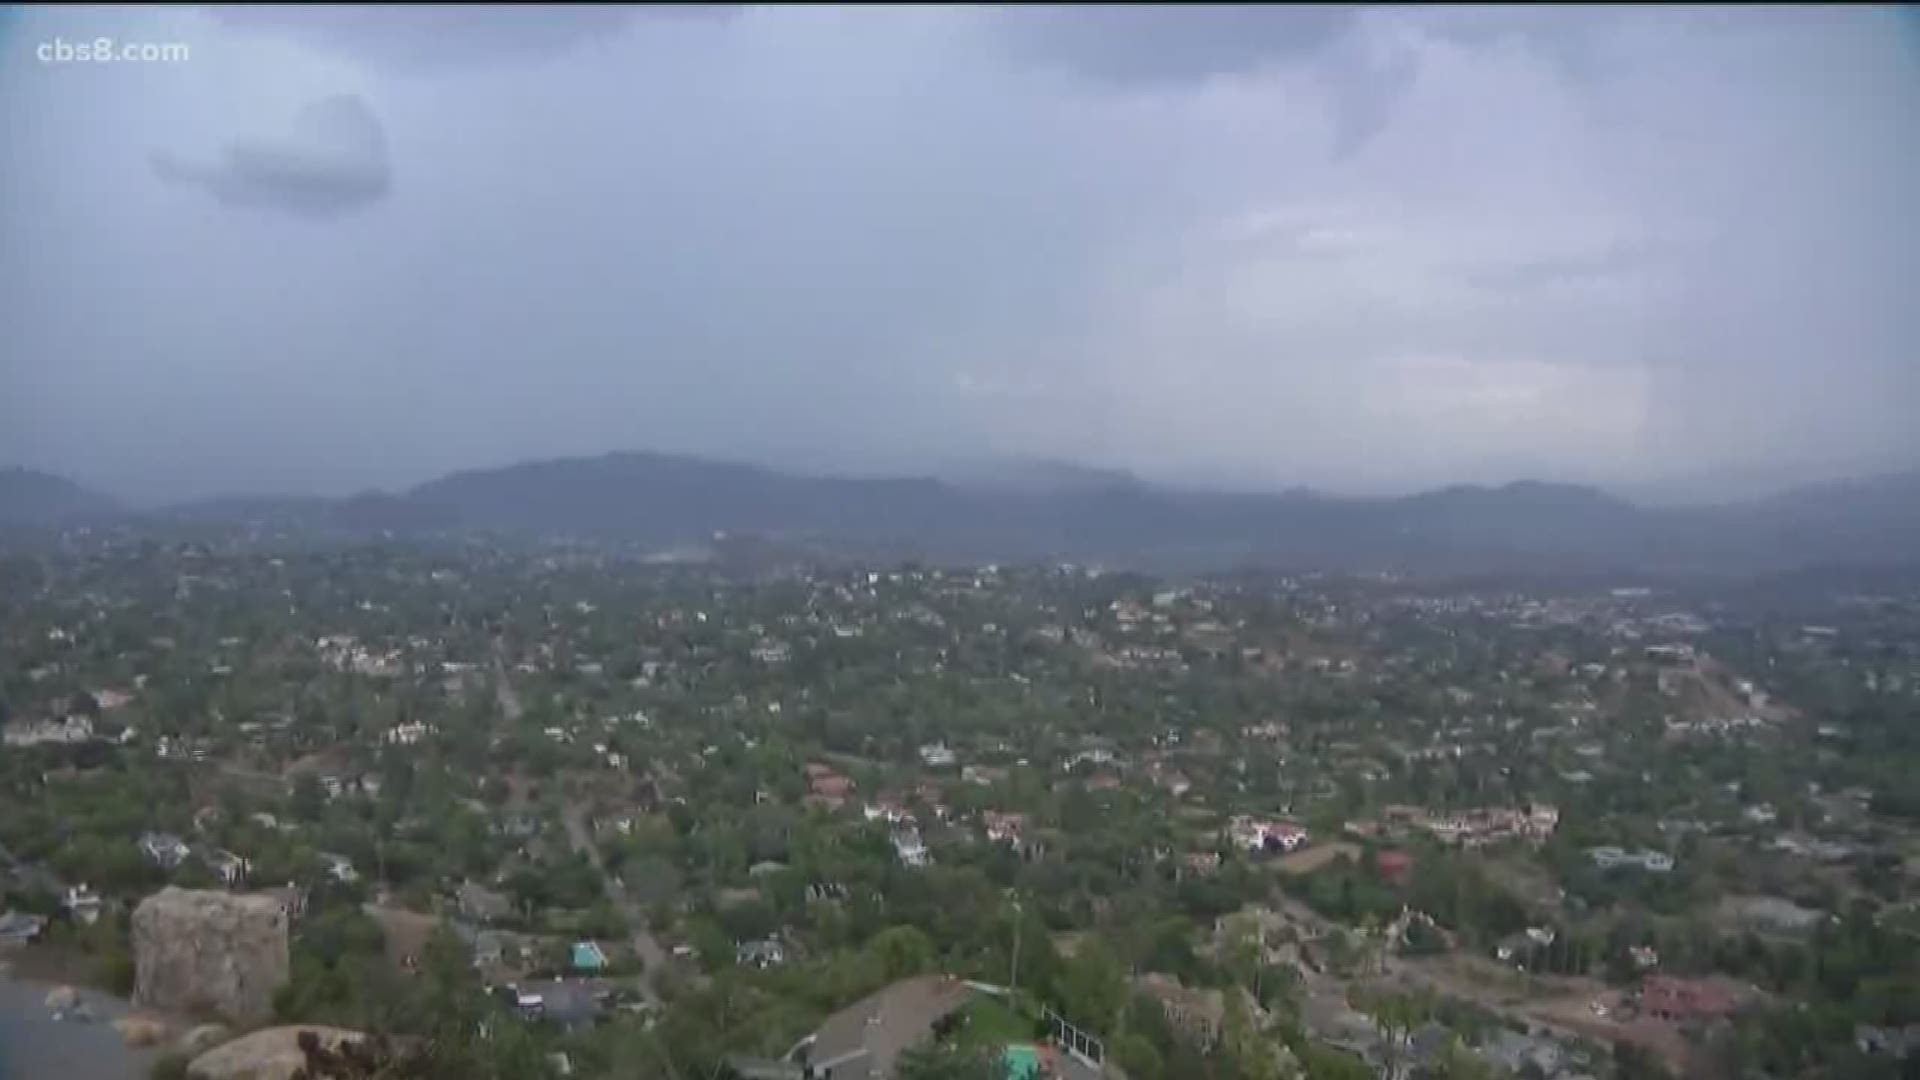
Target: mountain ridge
1059,510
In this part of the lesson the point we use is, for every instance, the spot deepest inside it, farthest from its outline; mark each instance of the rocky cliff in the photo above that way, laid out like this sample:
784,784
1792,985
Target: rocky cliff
209,953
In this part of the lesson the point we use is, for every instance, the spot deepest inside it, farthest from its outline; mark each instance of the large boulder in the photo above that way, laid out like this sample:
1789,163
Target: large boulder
268,1054
138,1031
209,954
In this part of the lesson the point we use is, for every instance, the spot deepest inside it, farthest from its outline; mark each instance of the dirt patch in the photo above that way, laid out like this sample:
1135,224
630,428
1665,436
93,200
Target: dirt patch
1313,858
406,931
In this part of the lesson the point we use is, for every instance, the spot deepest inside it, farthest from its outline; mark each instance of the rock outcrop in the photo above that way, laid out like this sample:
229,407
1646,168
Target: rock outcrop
209,953
268,1054
202,1039
138,1031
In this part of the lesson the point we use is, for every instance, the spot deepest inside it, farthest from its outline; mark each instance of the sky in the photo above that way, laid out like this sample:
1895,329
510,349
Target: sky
320,250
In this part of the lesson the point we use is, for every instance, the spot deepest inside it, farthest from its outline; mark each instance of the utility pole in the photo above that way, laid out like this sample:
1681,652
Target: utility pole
1013,978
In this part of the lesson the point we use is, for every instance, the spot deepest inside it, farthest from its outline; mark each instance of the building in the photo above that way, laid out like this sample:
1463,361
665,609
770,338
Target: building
407,734
911,849
83,904
1259,836
1394,867
231,869
19,928
24,733
339,867
164,850
937,756
1200,1013
1684,1000
1613,858
1004,828
762,954
481,905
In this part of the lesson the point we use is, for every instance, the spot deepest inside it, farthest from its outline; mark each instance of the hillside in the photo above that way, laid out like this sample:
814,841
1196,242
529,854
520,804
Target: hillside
30,498
1060,512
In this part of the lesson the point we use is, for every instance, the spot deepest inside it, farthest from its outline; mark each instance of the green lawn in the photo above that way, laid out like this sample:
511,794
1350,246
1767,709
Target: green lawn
991,1023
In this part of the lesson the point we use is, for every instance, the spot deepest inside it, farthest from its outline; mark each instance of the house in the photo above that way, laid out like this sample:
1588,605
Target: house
1200,1013
164,850
292,900
908,845
1004,828
1613,858
19,928
339,867
762,954
409,733
24,733
1259,836
888,807
231,869
1901,1043
1684,1000
983,775
827,788
1519,949
109,700
937,756
826,891
481,905
1513,1053
1394,867
83,904
519,826
1201,863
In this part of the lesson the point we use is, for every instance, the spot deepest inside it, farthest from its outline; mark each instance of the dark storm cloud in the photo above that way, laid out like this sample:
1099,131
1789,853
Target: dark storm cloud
331,159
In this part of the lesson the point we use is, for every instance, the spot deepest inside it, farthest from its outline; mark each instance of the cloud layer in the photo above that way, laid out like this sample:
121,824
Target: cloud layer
332,159
1358,248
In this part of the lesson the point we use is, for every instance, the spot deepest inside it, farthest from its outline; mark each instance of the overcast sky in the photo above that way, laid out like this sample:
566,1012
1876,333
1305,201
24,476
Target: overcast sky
1357,249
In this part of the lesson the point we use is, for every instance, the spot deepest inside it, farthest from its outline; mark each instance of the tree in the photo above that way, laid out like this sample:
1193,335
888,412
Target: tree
1092,986
1136,1054
902,951
309,802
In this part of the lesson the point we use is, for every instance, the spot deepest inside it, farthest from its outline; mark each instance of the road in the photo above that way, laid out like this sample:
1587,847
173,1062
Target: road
653,958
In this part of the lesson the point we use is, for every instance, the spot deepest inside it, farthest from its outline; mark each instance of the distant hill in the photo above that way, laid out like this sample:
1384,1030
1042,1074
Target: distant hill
1029,511
30,498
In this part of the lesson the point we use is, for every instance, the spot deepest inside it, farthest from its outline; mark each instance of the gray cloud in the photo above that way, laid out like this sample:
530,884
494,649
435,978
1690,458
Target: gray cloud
1394,247
432,36
1163,44
332,158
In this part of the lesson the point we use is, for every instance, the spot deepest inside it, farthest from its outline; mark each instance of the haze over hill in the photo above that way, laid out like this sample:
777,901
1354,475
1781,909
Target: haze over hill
662,501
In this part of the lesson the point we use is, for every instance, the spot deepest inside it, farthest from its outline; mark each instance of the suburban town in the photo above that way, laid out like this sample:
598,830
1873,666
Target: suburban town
568,811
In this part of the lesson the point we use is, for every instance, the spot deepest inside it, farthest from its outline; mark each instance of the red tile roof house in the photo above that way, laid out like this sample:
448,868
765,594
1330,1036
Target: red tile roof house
1394,866
829,789
1684,1000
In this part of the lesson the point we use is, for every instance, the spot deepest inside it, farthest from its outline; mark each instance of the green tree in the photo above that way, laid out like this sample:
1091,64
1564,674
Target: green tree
901,951
1092,986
